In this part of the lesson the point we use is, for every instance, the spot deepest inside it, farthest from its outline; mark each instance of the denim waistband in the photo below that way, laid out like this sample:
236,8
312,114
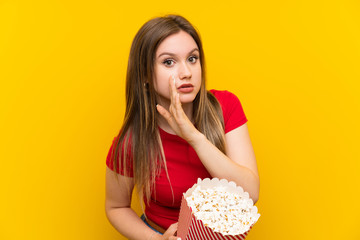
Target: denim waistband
144,220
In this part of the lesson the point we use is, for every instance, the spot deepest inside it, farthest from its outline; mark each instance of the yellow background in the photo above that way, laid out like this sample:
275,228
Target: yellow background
293,64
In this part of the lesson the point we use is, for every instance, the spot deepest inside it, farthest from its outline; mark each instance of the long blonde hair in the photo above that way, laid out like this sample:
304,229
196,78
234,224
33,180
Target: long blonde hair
139,136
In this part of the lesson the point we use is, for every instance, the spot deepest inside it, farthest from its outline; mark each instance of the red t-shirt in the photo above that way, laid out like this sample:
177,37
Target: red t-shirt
184,166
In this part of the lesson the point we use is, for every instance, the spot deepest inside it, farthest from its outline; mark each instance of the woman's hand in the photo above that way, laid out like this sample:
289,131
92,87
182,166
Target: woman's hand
170,233
176,116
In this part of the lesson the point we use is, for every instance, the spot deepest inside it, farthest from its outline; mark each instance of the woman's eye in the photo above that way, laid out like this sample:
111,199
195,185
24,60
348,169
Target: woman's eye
193,59
168,62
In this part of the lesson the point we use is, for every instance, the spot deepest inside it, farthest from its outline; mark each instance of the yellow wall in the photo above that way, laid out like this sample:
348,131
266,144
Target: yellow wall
293,64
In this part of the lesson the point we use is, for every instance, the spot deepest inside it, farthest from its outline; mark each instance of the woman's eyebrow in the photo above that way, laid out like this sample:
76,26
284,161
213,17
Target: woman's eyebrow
172,54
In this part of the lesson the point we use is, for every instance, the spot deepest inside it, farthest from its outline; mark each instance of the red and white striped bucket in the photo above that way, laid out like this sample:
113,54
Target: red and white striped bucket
190,228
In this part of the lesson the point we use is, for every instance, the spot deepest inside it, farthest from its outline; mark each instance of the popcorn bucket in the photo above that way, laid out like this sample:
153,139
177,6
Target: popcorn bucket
192,228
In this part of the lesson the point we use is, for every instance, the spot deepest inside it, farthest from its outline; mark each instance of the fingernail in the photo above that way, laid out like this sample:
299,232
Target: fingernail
173,77
178,238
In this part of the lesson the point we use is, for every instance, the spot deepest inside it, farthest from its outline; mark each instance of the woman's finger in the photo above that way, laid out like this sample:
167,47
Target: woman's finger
174,95
175,105
172,89
170,232
178,106
172,229
163,112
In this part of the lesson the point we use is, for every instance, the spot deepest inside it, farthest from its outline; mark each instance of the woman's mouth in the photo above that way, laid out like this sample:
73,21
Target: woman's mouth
185,88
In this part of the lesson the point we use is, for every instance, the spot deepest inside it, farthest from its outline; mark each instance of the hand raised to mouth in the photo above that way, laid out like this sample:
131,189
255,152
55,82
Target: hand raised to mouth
176,116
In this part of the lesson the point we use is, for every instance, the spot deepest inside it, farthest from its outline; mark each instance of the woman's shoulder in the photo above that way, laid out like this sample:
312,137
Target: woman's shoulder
233,111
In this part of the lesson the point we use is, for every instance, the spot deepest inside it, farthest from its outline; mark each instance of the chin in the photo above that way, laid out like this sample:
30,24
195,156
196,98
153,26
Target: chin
188,98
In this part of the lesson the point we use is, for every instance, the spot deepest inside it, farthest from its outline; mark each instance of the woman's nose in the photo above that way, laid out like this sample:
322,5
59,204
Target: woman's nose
184,71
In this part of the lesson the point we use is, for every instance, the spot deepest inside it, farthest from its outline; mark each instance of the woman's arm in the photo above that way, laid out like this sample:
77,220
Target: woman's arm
239,163
122,217
117,206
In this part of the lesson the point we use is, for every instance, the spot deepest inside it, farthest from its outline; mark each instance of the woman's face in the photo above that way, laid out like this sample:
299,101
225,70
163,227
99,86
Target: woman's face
177,55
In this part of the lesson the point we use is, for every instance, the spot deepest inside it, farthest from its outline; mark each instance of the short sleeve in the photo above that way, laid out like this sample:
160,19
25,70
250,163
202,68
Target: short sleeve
120,164
233,111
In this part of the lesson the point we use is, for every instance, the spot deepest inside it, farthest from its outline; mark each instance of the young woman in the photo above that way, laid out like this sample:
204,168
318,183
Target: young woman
174,132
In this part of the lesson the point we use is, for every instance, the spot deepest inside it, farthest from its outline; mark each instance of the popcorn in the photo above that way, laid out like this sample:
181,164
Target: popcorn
224,212
216,209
